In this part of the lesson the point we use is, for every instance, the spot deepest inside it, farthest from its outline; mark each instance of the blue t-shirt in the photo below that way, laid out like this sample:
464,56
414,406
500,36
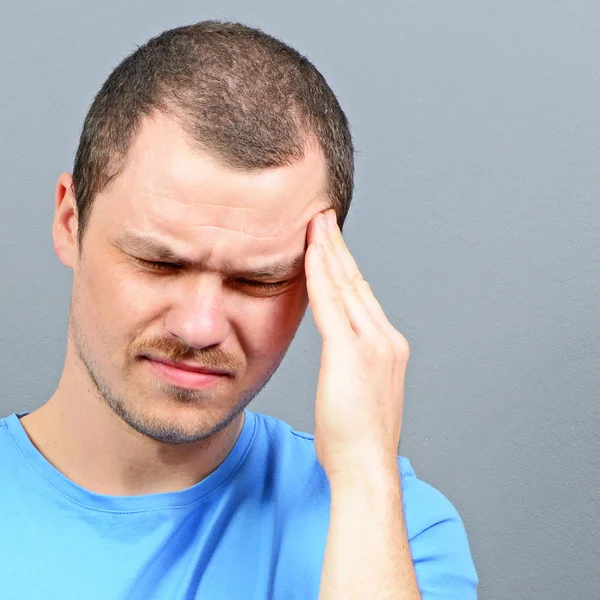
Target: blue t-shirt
255,529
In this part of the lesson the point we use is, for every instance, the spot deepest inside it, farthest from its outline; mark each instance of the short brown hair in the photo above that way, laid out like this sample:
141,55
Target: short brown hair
241,94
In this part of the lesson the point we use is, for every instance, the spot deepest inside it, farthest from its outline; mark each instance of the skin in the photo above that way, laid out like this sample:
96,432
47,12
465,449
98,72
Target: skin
360,396
115,425
224,223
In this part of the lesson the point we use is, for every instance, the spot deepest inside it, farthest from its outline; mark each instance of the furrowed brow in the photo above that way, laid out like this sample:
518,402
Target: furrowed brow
278,270
149,247
152,249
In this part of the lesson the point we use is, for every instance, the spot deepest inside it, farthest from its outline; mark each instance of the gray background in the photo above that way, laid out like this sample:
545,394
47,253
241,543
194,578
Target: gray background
476,221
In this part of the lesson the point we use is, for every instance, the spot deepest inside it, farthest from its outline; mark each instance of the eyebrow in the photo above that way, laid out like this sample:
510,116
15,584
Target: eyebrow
153,249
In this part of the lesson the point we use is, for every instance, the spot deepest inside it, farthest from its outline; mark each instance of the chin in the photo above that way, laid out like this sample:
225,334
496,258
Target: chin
174,423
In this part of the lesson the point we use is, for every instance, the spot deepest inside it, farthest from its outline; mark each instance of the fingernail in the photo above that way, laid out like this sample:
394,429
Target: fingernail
323,221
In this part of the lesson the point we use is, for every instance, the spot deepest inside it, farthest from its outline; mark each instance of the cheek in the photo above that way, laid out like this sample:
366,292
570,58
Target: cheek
112,300
266,326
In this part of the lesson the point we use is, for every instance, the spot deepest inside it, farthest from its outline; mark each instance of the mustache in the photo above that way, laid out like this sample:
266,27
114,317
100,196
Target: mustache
212,357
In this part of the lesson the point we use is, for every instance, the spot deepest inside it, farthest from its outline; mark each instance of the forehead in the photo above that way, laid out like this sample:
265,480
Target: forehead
193,203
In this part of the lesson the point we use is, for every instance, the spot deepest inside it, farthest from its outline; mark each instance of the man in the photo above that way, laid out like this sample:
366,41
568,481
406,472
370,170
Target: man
212,177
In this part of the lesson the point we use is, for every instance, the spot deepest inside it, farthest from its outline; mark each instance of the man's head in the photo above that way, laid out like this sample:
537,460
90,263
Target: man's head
202,160
241,95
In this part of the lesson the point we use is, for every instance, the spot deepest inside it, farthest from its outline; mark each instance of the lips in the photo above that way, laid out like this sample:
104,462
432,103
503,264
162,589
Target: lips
187,367
184,375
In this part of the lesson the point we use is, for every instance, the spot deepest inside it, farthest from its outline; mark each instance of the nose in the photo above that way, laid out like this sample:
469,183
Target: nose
197,315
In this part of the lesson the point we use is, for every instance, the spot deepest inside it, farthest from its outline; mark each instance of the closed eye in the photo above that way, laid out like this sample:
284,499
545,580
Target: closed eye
173,267
158,265
261,285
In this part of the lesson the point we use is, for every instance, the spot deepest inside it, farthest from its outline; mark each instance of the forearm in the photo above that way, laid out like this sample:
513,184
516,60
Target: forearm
367,554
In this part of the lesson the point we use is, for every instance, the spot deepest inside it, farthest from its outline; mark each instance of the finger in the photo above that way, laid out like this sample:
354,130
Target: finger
327,307
335,236
349,292
351,273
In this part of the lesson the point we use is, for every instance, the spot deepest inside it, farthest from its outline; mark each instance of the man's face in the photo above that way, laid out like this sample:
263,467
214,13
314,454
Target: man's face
176,266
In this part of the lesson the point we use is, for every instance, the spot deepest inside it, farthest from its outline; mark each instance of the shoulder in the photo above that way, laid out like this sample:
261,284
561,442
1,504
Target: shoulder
438,540
279,443
7,428
285,460
276,430
424,505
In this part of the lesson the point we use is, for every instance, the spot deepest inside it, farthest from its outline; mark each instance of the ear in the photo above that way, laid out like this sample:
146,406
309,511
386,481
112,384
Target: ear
64,226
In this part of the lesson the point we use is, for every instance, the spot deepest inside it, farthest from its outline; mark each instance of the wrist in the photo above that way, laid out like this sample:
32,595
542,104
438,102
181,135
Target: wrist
365,475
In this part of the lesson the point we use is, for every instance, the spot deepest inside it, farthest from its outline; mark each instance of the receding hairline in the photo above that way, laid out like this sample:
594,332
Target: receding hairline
250,118
310,143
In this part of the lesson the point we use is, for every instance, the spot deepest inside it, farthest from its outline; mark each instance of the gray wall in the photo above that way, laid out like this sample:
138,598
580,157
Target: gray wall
476,221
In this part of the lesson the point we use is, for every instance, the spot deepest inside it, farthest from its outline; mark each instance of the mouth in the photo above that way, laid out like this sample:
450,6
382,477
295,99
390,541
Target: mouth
186,375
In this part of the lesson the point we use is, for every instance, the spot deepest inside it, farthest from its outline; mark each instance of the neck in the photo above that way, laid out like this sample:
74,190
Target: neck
79,434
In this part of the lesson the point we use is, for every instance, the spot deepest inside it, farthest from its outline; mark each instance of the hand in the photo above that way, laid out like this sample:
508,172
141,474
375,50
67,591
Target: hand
360,390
